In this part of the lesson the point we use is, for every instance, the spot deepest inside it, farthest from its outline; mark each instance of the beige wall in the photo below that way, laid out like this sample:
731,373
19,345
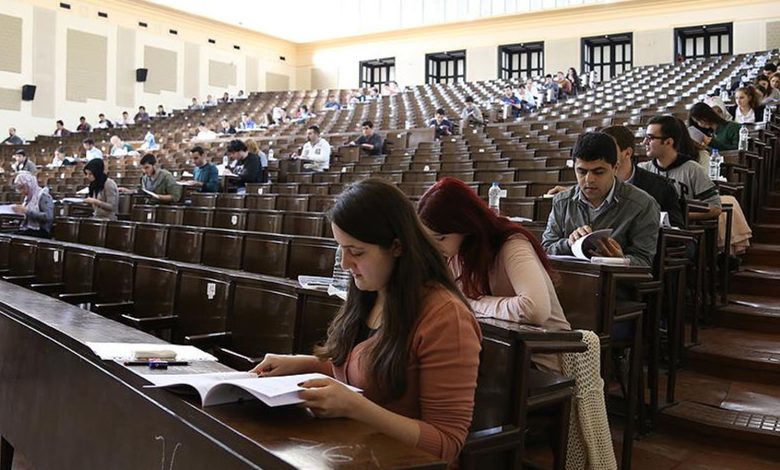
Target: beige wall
45,59
651,21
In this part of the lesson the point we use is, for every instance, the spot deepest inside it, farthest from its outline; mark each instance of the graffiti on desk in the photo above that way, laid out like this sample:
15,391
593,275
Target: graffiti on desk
164,455
342,454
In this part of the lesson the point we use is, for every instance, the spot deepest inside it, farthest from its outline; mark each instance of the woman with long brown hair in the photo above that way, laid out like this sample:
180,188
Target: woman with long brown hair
405,334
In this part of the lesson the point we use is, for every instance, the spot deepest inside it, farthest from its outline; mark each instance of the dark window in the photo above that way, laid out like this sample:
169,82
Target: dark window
376,72
102,14
445,67
609,55
703,41
521,60
236,47
173,31
212,41
142,24
65,6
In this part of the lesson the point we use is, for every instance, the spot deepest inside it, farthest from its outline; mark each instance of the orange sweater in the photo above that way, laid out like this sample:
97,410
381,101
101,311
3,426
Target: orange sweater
441,376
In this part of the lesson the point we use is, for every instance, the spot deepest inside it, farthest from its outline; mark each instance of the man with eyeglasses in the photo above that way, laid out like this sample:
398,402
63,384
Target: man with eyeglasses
663,139
601,201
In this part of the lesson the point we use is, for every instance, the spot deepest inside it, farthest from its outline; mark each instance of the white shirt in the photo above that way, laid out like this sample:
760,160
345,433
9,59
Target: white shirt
748,118
206,135
93,153
318,153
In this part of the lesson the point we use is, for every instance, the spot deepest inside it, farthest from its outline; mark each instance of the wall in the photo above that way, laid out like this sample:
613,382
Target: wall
45,57
651,21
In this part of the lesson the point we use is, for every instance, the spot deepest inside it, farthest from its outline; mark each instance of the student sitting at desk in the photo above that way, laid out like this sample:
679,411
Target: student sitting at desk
158,181
316,150
601,201
103,193
251,168
206,173
405,334
23,163
370,142
500,267
37,207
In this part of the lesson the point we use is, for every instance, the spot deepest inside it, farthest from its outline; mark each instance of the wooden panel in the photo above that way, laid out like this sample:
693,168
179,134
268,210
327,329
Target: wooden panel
266,253
185,244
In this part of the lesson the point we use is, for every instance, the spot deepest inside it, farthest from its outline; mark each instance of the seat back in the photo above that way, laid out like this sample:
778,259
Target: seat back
202,302
266,253
208,200
185,244
92,232
265,221
198,216
49,260
114,277
154,288
234,219
144,213
312,256
579,292
151,240
21,257
78,270
170,215
303,223
263,316
223,248
66,229
316,309
120,236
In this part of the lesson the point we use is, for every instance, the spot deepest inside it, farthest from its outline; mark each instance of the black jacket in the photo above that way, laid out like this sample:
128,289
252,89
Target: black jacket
662,190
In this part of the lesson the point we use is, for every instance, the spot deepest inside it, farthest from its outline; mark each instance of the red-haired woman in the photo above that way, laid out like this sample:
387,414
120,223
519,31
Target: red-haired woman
500,267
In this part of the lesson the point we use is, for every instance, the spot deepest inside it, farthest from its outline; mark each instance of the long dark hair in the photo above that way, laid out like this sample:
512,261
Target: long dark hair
451,206
374,211
704,112
97,168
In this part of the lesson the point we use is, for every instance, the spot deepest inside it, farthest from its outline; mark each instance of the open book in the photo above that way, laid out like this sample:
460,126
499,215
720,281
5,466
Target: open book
150,193
583,247
696,134
73,200
229,387
7,209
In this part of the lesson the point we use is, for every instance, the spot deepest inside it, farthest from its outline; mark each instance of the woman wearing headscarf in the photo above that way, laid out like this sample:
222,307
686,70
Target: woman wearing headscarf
37,207
103,192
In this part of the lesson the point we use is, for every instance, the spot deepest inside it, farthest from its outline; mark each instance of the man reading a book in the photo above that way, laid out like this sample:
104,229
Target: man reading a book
158,183
601,201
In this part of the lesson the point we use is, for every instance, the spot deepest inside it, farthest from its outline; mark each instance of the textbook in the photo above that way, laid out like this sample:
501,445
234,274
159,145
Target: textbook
585,245
7,209
150,193
230,387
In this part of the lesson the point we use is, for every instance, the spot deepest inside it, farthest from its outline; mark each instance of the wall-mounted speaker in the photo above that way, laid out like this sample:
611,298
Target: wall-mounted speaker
28,92
140,75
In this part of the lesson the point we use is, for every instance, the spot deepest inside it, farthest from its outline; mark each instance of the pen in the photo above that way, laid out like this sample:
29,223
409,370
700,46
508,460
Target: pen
146,363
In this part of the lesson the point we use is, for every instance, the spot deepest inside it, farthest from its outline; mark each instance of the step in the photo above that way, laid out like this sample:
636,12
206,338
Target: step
749,313
754,429
736,355
766,233
762,254
755,280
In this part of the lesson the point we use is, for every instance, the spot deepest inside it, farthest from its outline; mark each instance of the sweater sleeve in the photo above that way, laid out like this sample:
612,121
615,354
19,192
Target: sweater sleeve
45,210
554,240
644,235
531,303
447,347
111,194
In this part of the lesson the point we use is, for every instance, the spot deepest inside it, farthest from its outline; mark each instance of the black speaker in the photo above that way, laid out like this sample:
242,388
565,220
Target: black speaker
140,75
28,92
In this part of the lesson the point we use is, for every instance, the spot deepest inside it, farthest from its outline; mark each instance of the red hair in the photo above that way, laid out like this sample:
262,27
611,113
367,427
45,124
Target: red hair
451,206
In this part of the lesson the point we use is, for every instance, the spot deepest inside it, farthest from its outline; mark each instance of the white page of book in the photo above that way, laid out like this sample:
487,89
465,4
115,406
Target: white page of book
7,209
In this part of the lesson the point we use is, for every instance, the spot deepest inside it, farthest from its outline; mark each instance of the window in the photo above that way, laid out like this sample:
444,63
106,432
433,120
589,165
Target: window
521,60
609,55
376,72
445,67
703,41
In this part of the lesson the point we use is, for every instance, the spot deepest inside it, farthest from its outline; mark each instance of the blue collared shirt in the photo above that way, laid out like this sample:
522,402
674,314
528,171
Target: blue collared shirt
209,176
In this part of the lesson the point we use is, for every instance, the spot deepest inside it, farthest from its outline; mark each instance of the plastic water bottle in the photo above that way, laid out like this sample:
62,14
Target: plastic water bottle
715,165
340,277
767,115
225,161
494,196
743,138
724,95
270,154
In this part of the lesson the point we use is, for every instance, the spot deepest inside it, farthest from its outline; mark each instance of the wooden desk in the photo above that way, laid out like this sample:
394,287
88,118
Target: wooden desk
63,407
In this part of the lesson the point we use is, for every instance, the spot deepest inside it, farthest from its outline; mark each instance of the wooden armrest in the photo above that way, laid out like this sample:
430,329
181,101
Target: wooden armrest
150,323
491,439
16,279
78,297
235,360
218,339
113,309
49,288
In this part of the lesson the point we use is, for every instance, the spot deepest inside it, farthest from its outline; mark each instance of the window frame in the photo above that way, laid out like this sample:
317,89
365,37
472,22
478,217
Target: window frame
515,52
454,63
706,32
610,42
376,72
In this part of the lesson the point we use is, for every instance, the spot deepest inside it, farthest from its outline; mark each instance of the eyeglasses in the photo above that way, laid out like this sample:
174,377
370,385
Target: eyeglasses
653,137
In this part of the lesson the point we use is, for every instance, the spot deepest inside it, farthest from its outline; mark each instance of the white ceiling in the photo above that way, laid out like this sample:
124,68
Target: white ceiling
318,20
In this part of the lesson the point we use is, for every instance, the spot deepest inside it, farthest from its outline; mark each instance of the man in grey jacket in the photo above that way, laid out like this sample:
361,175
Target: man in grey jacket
601,201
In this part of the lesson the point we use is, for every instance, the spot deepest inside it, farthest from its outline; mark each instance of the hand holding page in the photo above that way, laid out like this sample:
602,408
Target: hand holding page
583,247
150,194
230,387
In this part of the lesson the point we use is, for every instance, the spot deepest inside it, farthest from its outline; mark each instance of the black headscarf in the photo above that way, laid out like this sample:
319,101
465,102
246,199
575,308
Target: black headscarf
97,168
